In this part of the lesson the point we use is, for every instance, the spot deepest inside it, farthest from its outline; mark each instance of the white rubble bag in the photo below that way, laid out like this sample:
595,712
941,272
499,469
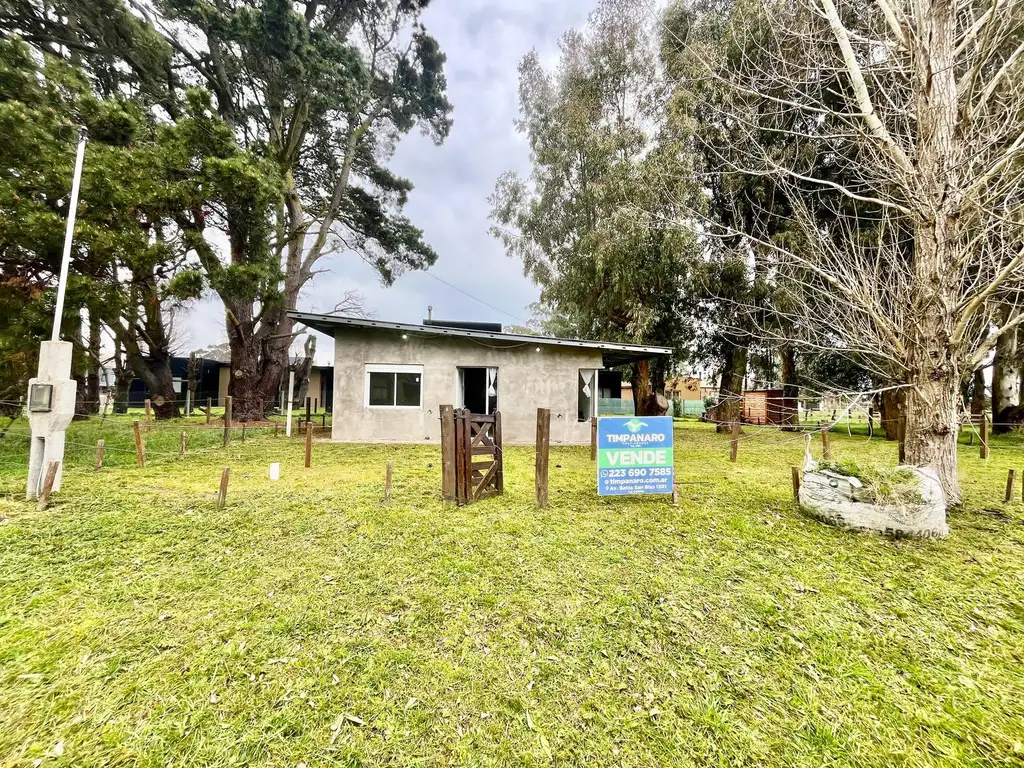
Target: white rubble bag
842,501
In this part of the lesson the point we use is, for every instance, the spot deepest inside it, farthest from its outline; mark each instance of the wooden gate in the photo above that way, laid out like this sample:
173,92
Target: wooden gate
471,456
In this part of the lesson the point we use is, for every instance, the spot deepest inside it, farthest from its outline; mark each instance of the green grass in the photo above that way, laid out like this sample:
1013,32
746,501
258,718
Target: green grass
309,622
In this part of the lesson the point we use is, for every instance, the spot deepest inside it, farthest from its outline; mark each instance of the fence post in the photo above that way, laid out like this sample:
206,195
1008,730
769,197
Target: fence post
387,483
227,421
309,443
99,454
1011,481
541,459
181,447
795,472
467,456
188,402
447,453
222,495
244,425
147,412
51,476
593,438
871,422
140,448
734,442
984,436
826,445
209,408
499,474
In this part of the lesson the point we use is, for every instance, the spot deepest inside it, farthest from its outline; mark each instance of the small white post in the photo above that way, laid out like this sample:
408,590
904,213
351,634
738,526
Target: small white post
188,402
291,389
65,264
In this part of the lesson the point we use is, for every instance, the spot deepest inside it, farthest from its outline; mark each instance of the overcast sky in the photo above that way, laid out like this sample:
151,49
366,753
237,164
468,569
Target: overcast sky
484,41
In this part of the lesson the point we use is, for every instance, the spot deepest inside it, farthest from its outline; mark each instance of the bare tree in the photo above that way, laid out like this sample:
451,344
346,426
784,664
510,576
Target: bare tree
909,250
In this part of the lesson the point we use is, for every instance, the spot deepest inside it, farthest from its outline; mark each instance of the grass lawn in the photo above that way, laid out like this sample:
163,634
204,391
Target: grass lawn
310,623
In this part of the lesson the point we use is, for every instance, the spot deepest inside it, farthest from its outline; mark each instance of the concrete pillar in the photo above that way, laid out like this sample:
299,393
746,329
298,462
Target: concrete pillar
48,426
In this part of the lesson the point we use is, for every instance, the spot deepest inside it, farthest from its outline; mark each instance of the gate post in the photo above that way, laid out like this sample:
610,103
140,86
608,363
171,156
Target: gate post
499,477
447,453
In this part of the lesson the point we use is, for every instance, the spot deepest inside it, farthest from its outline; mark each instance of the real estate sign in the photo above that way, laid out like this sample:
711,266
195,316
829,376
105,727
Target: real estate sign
634,455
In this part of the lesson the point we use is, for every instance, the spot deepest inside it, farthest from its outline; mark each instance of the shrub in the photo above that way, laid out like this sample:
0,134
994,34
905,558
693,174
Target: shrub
894,485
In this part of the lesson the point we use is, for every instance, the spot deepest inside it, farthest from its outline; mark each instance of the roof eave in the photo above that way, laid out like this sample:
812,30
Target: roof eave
613,353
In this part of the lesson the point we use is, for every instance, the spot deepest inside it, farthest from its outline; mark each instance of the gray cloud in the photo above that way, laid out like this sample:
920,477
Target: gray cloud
484,41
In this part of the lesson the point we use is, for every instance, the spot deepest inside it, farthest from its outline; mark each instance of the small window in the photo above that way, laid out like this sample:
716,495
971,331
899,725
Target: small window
394,386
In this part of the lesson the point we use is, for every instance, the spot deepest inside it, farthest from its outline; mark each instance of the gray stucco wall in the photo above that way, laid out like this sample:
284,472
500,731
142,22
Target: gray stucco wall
527,380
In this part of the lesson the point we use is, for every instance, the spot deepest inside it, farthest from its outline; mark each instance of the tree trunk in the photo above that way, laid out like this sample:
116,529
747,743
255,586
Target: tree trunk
891,412
931,414
303,368
790,420
122,379
155,373
730,390
978,392
1005,381
641,382
92,378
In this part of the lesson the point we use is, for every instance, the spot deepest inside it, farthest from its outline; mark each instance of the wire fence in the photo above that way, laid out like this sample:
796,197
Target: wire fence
160,441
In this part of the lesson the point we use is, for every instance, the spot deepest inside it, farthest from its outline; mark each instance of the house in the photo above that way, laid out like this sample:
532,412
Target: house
213,375
764,406
391,378
683,388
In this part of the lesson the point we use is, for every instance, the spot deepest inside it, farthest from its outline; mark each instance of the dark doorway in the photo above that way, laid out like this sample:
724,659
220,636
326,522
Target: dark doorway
474,389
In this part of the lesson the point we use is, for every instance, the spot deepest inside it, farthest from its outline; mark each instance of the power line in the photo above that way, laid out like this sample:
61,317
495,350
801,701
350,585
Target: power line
474,298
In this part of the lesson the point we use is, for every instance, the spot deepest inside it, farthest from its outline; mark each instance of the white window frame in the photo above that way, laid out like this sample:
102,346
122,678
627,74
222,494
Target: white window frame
390,368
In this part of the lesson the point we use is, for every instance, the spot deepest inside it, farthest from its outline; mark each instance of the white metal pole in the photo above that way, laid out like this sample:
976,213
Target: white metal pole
291,389
65,263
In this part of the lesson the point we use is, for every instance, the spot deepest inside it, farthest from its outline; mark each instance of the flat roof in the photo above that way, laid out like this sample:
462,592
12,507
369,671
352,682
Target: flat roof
612,353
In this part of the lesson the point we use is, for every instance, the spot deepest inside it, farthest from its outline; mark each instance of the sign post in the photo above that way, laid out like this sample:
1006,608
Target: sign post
634,455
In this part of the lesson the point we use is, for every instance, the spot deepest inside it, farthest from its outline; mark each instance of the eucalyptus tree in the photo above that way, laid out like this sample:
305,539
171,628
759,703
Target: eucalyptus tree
592,223
323,90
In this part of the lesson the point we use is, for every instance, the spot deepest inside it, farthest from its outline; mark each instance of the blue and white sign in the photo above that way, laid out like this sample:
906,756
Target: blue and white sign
634,455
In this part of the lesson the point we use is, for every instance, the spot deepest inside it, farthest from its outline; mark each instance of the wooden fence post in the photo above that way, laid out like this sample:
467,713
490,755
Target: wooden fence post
51,476
984,436
826,445
148,402
541,460
1011,481
309,443
244,425
99,454
181,447
387,483
140,448
447,453
222,495
499,474
734,442
593,438
227,421
795,472
467,456
209,408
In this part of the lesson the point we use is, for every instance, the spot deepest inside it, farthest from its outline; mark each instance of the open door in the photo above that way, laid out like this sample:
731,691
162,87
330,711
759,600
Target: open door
478,389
